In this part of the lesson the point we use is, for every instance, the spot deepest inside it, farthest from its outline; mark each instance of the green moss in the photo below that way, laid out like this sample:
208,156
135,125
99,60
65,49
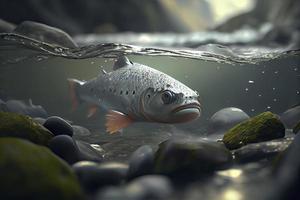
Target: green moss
21,126
263,127
30,171
296,129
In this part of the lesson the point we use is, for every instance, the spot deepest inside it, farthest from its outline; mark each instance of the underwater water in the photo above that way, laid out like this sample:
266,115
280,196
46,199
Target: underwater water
254,79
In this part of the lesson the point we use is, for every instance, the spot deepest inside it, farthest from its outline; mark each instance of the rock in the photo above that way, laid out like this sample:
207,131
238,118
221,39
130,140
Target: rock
296,129
286,177
225,119
3,107
142,188
31,110
58,126
190,156
6,27
39,120
29,171
88,152
65,147
291,117
93,176
21,126
263,150
80,131
263,127
141,162
45,33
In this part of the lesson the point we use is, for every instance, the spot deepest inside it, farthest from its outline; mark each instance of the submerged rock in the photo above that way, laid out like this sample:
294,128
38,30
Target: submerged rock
39,120
190,156
225,119
65,147
88,152
291,117
58,126
29,171
141,162
296,129
93,176
6,27
80,131
45,33
262,150
143,188
21,126
286,177
263,127
29,109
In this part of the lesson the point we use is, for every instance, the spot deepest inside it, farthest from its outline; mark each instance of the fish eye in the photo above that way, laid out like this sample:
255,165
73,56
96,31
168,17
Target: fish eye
168,97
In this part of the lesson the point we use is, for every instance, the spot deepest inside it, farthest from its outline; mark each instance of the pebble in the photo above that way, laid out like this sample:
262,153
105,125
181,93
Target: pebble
141,162
93,176
65,147
58,126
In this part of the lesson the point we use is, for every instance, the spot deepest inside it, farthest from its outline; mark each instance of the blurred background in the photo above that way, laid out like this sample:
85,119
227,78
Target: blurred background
101,16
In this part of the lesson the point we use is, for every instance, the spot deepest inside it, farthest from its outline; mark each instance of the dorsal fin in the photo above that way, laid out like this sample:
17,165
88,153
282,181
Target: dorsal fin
121,62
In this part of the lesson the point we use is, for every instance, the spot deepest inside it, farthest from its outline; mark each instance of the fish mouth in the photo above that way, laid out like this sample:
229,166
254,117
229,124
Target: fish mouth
187,112
187,106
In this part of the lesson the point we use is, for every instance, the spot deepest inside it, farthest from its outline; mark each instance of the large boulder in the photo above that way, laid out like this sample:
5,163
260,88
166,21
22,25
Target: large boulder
21,126
29,171
45,33
190,156
263,127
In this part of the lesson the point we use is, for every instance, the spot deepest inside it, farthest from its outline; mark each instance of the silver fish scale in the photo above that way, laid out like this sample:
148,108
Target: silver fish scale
125,85
140,77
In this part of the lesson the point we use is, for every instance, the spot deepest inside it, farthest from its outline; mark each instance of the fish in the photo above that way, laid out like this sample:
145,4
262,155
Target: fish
134,92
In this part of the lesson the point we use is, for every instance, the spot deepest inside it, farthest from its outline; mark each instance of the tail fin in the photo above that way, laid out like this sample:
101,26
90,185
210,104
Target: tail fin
74,85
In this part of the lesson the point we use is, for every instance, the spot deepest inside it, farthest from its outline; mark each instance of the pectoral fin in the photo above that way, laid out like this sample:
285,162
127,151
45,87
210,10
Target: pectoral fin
115,121
92,111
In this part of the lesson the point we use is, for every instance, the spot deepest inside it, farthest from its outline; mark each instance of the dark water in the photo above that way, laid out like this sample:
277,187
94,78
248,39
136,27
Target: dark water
253,78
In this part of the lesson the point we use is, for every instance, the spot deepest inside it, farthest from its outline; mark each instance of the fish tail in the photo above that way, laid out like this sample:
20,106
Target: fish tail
74,86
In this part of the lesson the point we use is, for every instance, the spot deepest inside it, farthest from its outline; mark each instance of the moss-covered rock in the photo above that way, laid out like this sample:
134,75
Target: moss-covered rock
190,157
263,127
21,126
30,171
296,129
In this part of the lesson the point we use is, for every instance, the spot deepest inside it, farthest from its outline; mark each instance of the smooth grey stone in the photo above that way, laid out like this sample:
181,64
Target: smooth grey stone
225,119
3,107
263,150
142,188
190,157
93,176
39,120
58,126
291,117
80,131
88,152
45,33
29,109
65,147
286,178
6,27
141,162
